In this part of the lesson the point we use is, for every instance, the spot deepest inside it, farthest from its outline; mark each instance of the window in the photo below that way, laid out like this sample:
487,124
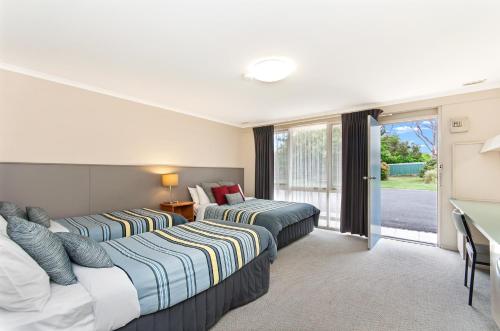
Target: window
307,164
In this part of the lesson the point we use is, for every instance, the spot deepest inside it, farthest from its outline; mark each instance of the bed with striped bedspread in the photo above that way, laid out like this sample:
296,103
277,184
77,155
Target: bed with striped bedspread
122,223
271,214
171,265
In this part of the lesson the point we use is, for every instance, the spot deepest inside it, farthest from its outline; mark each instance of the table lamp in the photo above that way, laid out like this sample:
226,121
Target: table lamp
170,180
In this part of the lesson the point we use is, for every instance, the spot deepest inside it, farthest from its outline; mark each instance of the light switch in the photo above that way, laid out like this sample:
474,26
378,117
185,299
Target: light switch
459,124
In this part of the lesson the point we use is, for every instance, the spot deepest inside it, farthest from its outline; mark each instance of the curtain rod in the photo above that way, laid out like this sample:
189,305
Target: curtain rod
329,118
396,114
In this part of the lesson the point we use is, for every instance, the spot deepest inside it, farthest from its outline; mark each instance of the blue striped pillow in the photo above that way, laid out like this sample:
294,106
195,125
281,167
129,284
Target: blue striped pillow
9,209
85,251
38,215
44,247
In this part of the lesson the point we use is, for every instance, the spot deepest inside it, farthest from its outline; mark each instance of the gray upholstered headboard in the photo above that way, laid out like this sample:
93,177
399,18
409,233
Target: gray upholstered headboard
72,190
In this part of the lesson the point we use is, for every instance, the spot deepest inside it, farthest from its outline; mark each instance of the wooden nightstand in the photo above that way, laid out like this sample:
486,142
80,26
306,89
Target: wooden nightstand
184,208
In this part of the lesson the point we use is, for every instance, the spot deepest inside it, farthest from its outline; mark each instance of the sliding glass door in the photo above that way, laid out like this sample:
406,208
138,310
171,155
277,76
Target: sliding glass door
335,179
307,161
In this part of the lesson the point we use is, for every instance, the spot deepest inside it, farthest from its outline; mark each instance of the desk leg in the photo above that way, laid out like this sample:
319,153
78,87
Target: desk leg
495,281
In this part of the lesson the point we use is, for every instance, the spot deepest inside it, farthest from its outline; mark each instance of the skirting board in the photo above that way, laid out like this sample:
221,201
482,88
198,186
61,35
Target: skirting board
75,189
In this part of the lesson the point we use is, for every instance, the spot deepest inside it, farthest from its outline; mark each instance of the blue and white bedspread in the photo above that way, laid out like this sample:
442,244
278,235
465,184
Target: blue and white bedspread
271,214
171,265
118,224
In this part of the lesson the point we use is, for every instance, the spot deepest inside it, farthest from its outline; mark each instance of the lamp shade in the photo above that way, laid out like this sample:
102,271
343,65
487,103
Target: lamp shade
170,179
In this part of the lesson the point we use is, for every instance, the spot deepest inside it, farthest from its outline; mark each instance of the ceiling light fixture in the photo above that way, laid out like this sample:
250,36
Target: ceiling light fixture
270,70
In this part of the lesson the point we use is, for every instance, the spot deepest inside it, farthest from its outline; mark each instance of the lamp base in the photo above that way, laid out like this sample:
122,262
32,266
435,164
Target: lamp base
171,196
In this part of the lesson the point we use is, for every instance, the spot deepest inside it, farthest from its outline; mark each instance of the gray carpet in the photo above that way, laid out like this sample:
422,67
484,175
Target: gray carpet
328,281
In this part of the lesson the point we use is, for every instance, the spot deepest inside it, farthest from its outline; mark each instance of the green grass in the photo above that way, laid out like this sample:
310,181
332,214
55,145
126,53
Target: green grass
408,183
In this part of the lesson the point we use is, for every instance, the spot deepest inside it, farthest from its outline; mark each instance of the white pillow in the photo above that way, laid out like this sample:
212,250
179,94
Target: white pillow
241,191
202,195
3,226
24,285
194,195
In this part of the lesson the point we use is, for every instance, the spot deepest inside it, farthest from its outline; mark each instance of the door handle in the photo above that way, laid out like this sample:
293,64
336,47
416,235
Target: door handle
370,177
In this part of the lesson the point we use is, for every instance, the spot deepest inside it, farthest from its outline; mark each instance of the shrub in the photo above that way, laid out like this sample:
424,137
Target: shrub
384,171
430,176
394,150
426,158
429,165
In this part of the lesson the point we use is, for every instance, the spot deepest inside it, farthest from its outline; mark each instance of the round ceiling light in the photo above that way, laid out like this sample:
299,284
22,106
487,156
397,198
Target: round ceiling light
270,70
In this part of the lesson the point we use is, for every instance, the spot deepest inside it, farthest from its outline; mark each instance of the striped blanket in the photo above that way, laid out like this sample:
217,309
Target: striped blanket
273,215
171,265
118,224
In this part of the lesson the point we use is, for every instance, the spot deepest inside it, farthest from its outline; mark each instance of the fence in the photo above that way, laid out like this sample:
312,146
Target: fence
405,169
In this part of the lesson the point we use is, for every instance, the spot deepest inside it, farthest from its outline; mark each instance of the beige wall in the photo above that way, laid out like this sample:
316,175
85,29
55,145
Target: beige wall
248,158
49,122
484,116
483,111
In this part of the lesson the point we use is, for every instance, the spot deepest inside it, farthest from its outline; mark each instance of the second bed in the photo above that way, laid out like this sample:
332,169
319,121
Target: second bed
287,221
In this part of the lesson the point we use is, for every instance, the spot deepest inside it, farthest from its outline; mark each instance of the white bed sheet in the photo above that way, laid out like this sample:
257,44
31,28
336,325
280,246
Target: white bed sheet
103,299
56,227
200,212
69,308
115,300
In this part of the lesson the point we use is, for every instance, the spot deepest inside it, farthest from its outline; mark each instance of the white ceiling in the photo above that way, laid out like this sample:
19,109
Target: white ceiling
189,56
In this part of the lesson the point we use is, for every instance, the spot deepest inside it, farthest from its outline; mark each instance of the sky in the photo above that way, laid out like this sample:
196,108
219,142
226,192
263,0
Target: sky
406,132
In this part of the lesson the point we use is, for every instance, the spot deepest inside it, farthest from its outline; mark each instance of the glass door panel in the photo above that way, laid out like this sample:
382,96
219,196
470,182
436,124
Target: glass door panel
307,168
373,178
335,180
308,165
281,165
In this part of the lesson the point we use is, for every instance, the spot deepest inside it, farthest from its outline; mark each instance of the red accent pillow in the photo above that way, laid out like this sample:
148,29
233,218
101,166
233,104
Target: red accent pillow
220,194
235,189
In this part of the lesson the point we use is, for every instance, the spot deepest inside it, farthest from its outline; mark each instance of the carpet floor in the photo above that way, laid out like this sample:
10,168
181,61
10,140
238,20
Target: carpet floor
329,281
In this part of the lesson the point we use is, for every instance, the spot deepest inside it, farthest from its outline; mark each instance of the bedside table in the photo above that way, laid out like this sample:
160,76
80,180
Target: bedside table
184,208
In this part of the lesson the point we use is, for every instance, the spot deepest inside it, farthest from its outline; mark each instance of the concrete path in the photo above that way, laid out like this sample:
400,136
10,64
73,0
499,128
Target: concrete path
409,209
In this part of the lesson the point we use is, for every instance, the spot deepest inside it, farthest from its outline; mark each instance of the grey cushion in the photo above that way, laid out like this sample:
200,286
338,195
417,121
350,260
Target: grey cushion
38,215
234,198
44,247
9,209
85,251
207,187
224,183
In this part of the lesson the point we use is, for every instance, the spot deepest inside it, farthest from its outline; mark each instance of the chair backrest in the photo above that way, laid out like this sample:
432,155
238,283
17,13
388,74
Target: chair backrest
461,224
458,221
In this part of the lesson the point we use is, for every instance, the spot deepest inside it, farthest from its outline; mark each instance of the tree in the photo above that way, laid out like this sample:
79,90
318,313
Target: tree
393,150
430,142
424,130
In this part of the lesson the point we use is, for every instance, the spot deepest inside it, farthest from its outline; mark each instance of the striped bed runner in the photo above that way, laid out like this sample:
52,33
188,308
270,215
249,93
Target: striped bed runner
118,224
245,212
171,265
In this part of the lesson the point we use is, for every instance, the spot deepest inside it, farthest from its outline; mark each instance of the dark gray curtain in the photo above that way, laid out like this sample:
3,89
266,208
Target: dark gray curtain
264,162
354,208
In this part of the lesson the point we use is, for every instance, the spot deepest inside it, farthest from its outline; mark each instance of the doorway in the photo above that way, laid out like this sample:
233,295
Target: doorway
409,180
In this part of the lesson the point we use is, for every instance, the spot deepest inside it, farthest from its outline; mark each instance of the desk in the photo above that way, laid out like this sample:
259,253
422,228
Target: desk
485,216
